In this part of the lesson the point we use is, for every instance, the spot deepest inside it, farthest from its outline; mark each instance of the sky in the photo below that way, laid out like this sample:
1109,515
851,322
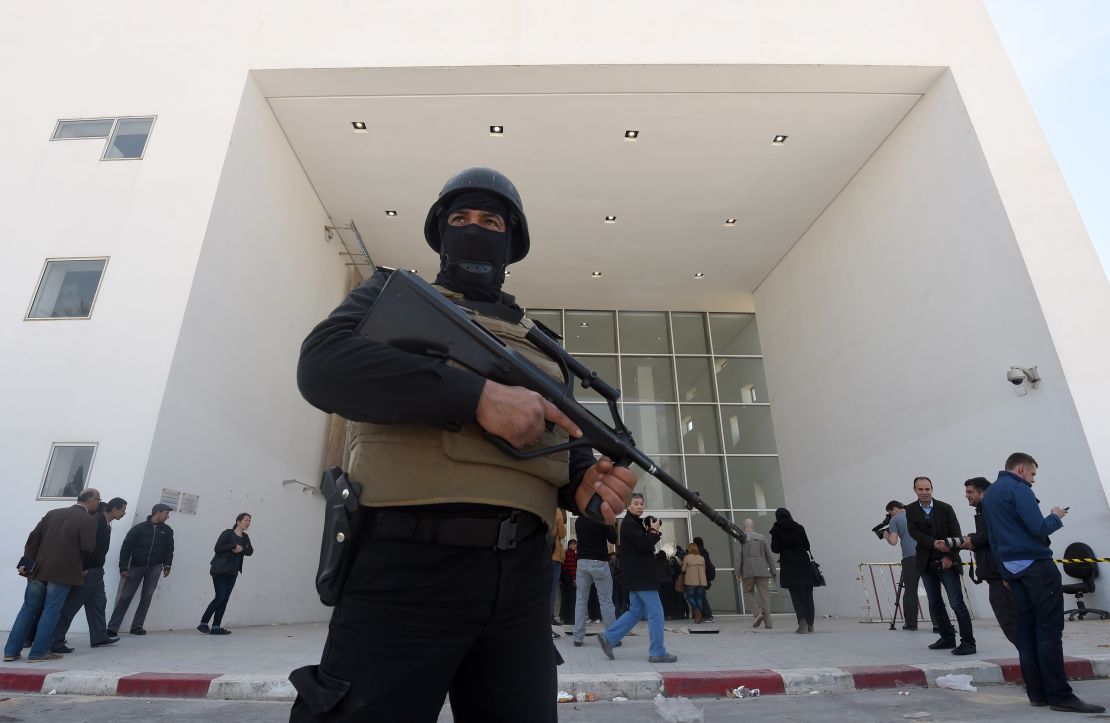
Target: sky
1061,51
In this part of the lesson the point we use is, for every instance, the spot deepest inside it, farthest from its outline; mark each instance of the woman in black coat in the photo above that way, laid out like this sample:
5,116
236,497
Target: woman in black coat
796,574
231,546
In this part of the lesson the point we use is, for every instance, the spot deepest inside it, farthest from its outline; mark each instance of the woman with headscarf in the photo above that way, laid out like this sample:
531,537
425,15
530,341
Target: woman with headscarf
796,573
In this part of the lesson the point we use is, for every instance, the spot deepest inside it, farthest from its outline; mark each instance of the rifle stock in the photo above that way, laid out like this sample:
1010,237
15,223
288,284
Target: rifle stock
412,316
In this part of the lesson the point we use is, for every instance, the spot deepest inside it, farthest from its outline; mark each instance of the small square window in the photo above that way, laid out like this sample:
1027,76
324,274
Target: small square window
67,472
67,289
86,128
129,139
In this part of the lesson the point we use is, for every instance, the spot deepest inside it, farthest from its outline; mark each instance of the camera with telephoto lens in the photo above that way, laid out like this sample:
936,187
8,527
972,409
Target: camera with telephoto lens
881,528
954,543
647,521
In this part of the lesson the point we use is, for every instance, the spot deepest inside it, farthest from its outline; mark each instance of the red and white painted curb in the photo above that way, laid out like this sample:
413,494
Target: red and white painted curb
634,686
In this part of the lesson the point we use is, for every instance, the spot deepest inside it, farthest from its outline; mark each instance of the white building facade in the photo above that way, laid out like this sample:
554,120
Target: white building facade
907,242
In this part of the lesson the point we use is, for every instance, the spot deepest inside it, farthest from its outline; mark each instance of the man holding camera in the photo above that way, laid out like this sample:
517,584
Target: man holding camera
897,531
933,525
986,567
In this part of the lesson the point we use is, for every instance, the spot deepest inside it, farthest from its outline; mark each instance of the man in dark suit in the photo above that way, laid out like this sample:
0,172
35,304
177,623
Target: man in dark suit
53,562
930,523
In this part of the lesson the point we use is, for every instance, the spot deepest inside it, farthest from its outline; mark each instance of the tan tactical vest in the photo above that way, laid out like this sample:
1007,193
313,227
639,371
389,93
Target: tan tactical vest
416,464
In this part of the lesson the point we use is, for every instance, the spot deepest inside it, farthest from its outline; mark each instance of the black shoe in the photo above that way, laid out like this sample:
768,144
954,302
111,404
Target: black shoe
220,631
964,648
911,629
606,646
106,641
1038,703
61,649
943,644
578,643
665,658
203,627
134,631
110,633
1077,706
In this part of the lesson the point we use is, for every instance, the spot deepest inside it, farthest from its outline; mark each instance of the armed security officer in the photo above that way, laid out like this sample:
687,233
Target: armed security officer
437,602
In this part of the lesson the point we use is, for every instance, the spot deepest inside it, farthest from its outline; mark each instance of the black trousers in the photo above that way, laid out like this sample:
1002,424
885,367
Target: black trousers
1039,606
1002,602
223,585
802,598
417,623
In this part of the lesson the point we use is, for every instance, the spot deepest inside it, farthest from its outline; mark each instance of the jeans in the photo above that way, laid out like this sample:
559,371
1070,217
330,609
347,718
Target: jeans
591,573
1039,604
417,622
223,585
148,578
47,597
910,577
950,579
92,597
639,603
695,594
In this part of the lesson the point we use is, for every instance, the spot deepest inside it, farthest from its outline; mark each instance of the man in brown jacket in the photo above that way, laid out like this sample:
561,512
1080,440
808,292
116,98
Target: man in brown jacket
53,562
755,570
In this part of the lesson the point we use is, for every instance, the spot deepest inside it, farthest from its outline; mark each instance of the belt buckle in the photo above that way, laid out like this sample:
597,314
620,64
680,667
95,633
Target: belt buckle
506,532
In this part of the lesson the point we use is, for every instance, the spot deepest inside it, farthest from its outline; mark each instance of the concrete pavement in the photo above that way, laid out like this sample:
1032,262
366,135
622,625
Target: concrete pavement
843,654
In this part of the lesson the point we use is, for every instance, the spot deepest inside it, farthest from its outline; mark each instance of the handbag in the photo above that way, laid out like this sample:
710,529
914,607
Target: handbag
680,583
819,579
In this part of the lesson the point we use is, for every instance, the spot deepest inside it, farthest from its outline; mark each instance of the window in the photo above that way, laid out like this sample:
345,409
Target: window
92,128
127,137
67,289
67,472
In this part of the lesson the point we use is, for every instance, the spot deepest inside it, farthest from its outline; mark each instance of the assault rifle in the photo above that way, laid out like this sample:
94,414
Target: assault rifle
412,316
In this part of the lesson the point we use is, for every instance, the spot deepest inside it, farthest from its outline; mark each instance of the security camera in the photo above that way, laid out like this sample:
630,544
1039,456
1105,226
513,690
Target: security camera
1018,376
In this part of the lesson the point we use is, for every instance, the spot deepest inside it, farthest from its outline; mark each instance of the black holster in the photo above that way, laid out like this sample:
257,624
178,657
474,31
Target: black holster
342,524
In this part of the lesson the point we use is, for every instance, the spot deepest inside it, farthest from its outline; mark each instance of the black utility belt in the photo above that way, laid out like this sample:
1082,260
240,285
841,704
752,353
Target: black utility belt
501,533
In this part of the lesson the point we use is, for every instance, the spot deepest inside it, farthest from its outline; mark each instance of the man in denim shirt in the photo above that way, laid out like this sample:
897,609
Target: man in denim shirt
1019,537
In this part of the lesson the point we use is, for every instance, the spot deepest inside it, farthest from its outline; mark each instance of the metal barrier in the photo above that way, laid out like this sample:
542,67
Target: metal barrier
880,584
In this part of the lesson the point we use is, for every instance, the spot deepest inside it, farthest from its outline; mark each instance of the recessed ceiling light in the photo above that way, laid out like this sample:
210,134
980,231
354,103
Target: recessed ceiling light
779,140
359,126
390,213
610,219
596,274
497,130
730,222
584,324
699,275
631,135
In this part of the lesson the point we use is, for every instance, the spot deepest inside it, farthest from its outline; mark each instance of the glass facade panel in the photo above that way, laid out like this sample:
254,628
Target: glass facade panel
695,380
657,496
129,139
67,472
644,332
741,381
734,334
552,319
67,289
689,333
654,427
647,379
747,429
599,410
591,332
756,483
606,368
706,476
700,434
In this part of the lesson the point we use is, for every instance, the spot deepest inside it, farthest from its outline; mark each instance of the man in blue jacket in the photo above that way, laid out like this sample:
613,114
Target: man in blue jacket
1019,537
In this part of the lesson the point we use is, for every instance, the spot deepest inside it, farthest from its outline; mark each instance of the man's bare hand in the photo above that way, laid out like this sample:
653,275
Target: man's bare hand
613,483
518,415
123,573
945,563
1060,512
940,545
966,545
165,572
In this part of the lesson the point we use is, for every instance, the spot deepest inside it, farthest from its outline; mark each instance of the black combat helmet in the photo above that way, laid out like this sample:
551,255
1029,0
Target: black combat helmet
481,179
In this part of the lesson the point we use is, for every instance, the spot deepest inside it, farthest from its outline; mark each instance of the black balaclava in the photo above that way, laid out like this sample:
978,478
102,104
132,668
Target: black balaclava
472,259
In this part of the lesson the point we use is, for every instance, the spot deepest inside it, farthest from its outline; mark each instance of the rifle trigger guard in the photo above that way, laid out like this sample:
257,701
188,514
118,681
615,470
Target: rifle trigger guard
515,453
